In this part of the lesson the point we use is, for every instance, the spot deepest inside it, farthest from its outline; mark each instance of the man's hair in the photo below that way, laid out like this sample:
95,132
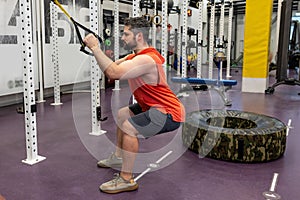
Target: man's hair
138,24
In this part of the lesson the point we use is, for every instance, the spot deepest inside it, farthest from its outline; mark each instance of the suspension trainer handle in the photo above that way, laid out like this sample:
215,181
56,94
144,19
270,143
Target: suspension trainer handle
83,45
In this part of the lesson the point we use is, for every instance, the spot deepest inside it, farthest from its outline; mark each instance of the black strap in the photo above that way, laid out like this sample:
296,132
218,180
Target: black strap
83,45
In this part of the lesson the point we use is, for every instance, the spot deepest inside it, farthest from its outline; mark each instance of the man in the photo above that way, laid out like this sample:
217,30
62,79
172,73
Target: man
157,110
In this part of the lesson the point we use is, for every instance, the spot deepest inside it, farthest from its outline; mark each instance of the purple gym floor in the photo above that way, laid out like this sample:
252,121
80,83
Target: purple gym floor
70,172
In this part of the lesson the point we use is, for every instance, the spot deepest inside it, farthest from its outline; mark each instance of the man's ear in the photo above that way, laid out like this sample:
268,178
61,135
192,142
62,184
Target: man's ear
139,36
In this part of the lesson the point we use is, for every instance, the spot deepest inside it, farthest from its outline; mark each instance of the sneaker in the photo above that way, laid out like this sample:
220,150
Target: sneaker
111,161
118,184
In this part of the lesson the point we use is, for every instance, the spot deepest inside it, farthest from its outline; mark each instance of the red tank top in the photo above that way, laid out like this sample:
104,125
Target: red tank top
159,96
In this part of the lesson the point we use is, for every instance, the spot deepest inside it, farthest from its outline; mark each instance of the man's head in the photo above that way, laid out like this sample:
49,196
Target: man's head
138,24
136,30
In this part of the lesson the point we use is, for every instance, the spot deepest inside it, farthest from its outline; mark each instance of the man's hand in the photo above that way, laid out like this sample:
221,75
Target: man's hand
91,42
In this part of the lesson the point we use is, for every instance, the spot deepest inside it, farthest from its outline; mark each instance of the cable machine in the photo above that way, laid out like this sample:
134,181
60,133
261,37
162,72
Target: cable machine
218,43
219,47
283,48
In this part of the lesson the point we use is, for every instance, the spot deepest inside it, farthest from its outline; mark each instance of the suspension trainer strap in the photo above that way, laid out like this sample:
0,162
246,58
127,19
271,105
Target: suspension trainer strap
77,26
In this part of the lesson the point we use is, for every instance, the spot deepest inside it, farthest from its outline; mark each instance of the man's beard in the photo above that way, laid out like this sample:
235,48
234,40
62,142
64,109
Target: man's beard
130,46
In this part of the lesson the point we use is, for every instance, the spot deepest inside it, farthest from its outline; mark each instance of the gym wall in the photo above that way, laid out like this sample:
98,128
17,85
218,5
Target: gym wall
74,65
11,76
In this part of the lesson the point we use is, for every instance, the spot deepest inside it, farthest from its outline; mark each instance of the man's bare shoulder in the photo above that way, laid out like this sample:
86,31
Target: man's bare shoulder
144,60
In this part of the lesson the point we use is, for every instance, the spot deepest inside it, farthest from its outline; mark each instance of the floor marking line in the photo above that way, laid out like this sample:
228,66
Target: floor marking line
271,194
288,127
151,166
274,182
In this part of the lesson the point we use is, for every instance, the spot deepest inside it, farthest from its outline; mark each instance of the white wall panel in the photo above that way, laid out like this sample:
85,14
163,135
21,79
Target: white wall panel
73,64
11,75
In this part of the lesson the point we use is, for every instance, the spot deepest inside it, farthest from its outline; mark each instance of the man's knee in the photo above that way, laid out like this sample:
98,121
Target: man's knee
128,129
123,114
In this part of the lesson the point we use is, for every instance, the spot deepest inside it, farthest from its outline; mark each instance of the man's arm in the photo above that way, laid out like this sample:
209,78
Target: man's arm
119,61
92,43
122,69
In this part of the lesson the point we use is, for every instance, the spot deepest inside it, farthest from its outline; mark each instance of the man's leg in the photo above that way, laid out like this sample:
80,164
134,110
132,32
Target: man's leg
123,114
119,144
124,181
130,148
115,159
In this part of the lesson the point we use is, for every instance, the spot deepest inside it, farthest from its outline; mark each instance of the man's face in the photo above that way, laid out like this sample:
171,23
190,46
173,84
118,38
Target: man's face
128,38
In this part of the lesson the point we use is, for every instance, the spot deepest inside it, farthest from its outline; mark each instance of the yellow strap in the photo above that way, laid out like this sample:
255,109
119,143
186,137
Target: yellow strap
60,6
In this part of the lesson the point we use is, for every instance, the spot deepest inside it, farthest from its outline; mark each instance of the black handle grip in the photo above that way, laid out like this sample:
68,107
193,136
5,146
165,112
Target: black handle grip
83,45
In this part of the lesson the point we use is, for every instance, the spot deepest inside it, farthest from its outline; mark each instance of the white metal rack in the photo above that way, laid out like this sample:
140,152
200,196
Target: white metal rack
211,39
28,80
100,9
200,39
135,8
164,27
95,75
184,37
39,26
229,38
221,36
55,62
222,19
116,36
154,27
179,49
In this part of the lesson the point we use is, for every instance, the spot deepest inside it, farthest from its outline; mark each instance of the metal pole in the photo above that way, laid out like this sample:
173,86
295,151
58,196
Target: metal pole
179,50
95,75
284,36
116,35
221,33
164,29
28,80
54,41
38,9
211,39
221,37
277,27
154,28
200,39
184,37
100,9
135,13
229,38
135,8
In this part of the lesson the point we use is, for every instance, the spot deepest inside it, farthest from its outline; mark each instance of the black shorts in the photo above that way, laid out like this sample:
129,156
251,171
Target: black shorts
151,122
